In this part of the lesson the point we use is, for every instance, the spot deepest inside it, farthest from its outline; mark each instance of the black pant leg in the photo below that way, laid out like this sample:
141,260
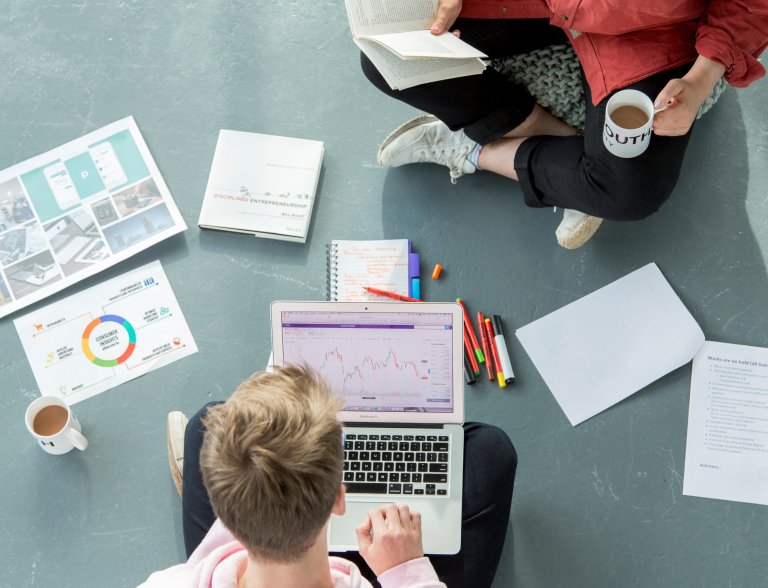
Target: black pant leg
487,105
196,513
490,463
580,173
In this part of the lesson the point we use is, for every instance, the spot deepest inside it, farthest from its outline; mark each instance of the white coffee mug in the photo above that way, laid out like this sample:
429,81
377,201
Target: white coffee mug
52,423
626,137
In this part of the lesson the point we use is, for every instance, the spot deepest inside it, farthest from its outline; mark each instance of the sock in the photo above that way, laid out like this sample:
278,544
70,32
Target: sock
474,155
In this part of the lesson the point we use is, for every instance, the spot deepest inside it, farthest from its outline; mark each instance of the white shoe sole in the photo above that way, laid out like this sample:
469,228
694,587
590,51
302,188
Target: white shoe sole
406,126
581,234
177,423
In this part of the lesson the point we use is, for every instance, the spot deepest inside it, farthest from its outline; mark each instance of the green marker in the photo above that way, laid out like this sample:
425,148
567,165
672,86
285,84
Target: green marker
471,333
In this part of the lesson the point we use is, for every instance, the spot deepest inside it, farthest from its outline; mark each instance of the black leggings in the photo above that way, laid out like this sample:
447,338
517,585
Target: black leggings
570,172
490,463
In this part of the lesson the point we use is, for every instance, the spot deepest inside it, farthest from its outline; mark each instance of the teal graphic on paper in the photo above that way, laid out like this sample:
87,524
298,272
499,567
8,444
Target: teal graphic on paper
85,176
77,178
129,157
41,195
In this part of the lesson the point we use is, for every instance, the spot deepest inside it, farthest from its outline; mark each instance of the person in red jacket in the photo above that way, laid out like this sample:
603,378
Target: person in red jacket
675,52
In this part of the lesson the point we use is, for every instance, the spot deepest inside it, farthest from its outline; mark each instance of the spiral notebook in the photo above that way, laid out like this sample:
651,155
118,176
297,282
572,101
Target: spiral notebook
387,264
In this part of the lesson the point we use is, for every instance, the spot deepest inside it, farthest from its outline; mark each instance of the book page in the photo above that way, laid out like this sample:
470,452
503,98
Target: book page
421,44
376,17
401,74
380,264
726,455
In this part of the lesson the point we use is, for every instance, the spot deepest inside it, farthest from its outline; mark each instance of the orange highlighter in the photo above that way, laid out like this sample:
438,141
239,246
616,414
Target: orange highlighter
495,353
468,352
484,343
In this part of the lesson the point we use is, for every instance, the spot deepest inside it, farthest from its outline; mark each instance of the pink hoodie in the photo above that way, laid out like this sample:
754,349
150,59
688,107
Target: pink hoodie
216,561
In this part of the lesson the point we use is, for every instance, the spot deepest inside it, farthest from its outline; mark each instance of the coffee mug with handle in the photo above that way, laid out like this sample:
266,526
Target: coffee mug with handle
630,135
52,423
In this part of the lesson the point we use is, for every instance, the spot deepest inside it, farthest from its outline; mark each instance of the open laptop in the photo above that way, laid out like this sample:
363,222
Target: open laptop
398,367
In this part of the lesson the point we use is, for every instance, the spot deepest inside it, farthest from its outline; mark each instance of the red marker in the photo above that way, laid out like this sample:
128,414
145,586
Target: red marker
484,341
471,331
392,295
495,352
468,352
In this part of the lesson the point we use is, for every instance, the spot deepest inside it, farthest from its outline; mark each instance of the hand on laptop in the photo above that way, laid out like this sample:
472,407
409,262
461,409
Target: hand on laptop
389,536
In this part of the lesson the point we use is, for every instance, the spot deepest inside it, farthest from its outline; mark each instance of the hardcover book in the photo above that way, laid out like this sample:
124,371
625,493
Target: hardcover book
263,185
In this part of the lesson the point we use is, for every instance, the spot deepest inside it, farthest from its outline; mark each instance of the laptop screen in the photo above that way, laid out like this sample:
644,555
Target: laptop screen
376,361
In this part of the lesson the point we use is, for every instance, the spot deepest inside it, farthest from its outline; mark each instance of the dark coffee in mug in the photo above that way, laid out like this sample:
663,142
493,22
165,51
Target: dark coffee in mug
50,420
629,117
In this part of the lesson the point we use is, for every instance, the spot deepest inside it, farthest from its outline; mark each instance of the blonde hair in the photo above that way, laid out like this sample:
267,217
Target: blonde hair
272,461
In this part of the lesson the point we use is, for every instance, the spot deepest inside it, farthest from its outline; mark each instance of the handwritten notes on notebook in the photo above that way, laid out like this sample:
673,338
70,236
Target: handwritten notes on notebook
382,264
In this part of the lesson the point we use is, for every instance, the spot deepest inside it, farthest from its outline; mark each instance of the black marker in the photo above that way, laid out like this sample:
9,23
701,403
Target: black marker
469,378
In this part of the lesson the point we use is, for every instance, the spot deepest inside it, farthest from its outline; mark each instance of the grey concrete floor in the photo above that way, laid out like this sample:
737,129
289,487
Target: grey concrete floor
598,505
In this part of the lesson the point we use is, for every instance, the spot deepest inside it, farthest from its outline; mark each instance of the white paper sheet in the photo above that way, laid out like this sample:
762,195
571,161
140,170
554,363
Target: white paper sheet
606,346
105,335
84,206
726,454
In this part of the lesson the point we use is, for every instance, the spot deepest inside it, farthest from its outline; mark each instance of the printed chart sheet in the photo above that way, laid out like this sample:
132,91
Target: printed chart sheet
726,455
69,213
106,335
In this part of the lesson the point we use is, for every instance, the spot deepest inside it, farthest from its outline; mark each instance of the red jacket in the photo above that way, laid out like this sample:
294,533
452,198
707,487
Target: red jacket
621,42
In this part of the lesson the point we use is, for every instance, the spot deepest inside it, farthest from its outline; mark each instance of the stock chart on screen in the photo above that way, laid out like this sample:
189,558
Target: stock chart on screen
383,361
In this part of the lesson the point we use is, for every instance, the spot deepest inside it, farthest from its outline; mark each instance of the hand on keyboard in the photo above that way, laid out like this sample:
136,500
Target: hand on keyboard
389,536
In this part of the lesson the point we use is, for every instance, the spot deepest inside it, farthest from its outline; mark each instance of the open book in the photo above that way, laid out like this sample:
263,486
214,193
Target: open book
395,36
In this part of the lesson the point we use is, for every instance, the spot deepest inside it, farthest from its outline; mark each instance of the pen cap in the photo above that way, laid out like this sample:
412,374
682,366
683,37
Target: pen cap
497,330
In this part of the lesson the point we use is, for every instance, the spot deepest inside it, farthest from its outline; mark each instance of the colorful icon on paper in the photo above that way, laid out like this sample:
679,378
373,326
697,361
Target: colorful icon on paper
114,344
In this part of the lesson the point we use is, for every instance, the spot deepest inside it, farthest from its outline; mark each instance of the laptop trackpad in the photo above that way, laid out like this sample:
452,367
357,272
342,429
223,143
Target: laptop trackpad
342,536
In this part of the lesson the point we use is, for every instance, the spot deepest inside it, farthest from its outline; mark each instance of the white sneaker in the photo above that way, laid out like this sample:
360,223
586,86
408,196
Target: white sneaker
576,228
425,139
177,424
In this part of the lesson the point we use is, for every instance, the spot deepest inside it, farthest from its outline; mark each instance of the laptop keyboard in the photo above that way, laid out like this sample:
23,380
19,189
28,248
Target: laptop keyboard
396,465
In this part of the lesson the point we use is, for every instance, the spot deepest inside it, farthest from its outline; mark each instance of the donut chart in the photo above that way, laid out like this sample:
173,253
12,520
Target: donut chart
109,318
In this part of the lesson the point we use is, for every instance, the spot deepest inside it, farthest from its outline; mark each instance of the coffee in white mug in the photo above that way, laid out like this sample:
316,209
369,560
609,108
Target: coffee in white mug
50,420
629,117
628,123
52,423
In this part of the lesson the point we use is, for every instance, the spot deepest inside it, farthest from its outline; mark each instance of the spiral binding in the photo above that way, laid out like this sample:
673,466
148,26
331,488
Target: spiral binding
332,279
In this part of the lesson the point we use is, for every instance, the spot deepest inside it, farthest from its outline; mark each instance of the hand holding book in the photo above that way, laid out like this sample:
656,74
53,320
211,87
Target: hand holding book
447,13
398,38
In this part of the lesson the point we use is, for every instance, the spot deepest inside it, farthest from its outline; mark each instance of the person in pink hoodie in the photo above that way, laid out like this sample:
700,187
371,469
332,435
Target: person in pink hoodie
256,508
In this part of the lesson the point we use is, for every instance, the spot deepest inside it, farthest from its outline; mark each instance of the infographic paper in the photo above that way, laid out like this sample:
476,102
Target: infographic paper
69,213
106,335
726,455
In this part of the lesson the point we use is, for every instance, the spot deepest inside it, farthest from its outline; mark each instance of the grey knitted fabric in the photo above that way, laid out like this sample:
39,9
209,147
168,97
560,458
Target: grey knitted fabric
552,76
